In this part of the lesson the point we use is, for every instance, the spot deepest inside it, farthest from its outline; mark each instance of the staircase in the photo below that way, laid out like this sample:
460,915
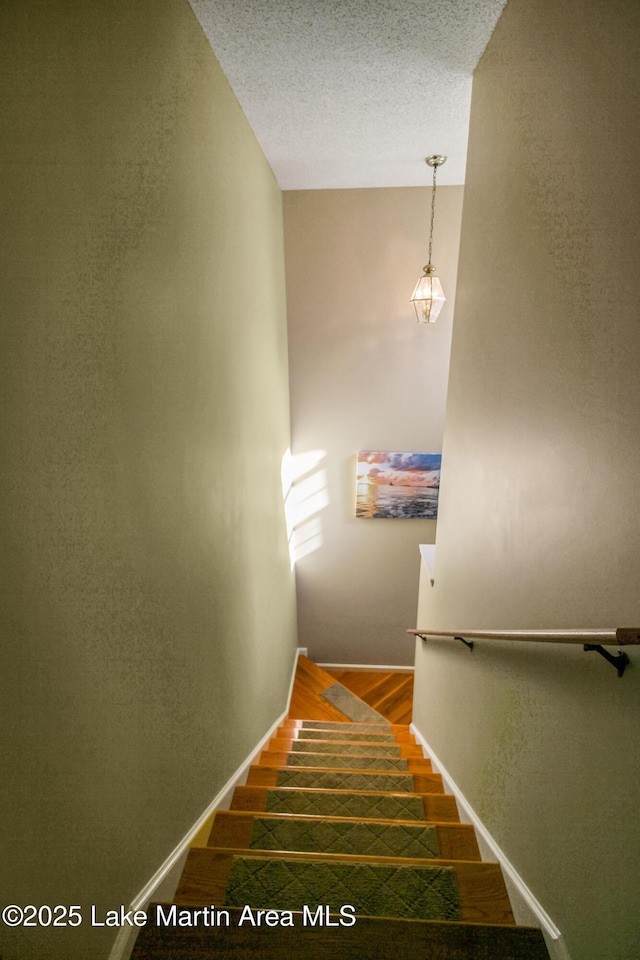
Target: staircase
342,845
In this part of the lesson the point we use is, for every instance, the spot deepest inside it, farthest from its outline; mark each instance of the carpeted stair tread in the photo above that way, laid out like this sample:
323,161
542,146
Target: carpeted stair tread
334,836
380,806
345,780
345,748
336,725
426,893
349,735
338,762
482,894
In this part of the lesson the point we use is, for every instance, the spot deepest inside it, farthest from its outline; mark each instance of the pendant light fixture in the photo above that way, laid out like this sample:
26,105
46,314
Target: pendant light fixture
427,297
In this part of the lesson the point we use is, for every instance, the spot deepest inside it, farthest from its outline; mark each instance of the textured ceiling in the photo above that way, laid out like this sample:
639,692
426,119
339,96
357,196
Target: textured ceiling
353,93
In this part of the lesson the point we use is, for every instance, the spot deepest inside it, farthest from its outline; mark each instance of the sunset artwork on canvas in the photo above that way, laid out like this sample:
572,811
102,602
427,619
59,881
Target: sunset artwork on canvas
397,485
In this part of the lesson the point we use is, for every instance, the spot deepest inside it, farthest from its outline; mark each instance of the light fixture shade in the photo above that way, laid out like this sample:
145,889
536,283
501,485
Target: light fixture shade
428,298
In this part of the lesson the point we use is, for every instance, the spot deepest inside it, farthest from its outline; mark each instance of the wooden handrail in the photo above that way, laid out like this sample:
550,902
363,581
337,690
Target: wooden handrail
621,635
591,640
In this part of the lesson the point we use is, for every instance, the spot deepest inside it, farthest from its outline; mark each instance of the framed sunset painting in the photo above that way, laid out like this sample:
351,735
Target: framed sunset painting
397,486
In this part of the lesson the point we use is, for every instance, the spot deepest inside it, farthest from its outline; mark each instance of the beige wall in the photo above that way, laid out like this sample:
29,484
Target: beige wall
147,615
364,376
540,501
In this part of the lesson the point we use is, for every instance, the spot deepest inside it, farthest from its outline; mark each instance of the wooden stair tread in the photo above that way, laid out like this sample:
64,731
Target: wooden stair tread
409,764
383,726
241,814
482,893
371,938
425,774
267,776
335,736
436,806
286,745
318,735
233,828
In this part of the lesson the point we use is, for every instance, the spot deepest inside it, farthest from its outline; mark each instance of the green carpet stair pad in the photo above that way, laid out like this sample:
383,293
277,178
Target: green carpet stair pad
421,893
334,836
374,806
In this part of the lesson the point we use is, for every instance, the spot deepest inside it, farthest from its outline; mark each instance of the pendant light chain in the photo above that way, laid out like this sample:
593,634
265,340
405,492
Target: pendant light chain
433,210
428,297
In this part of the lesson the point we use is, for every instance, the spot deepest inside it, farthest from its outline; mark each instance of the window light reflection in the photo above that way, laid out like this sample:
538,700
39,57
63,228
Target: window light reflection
305,494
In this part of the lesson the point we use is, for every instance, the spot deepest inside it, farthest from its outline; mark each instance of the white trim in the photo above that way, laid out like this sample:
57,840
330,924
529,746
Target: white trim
123,941
490,850
365,666
428,557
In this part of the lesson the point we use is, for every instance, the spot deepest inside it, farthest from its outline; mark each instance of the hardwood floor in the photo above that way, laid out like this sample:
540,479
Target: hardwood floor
391,694
306,699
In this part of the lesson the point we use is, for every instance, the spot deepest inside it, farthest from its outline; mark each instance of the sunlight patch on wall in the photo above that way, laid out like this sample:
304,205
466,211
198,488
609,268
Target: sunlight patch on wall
305,495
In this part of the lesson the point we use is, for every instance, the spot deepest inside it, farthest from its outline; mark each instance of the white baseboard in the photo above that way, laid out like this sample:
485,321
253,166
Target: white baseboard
124,940
527,910
365,666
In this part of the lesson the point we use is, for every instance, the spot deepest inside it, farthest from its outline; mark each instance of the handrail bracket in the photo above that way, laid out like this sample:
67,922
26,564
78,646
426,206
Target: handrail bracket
467,643
425,636
620,663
